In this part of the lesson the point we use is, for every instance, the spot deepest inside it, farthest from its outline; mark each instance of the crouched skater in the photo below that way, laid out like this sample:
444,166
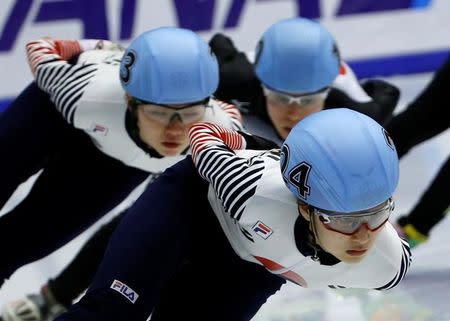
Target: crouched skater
217,234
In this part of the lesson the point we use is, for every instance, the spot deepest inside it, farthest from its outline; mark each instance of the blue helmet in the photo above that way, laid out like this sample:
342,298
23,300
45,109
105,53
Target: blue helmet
297,56
169,66
340,160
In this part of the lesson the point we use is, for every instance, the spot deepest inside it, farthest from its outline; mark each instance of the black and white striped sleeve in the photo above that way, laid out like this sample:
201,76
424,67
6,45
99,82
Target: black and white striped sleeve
404,266
233,178
64,82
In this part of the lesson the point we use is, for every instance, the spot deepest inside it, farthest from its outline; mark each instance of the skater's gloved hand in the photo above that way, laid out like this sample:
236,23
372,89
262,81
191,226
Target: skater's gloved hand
223,47
237,77
384,96
48,49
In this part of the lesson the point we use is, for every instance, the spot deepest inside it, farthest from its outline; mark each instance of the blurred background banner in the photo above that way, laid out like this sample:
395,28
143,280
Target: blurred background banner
377,37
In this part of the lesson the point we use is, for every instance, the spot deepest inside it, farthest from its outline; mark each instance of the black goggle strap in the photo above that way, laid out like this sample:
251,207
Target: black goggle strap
312,238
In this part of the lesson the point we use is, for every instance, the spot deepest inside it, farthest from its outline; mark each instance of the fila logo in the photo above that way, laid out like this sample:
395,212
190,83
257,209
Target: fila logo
262,230
126,291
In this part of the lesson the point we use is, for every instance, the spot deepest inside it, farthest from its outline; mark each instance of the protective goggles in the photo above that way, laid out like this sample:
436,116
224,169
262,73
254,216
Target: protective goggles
164,114
349,223
301,100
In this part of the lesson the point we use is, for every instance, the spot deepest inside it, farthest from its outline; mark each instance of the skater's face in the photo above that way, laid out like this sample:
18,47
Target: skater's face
165,128
353,245
286,110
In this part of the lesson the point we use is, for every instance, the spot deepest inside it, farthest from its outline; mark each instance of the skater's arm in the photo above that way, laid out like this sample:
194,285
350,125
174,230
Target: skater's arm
64,82
233,178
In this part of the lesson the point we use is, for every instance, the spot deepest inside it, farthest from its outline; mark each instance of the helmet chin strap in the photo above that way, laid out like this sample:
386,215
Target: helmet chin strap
131,124
313,237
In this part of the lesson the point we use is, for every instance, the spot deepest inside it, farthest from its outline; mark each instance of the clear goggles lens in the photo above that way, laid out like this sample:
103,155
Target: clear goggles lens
165,114
302,99
349,223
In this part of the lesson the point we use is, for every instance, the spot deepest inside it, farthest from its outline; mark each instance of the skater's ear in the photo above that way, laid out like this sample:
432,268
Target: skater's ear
131,104
303,210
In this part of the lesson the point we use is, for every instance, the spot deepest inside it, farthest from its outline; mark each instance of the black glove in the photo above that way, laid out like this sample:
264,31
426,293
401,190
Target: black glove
384,96
238,81
256,142
223,48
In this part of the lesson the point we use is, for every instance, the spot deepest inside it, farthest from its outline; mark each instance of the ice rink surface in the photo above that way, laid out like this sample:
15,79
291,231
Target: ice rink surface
423,295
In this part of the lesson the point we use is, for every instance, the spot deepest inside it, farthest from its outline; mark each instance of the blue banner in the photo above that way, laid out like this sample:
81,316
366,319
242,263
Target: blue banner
376,37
